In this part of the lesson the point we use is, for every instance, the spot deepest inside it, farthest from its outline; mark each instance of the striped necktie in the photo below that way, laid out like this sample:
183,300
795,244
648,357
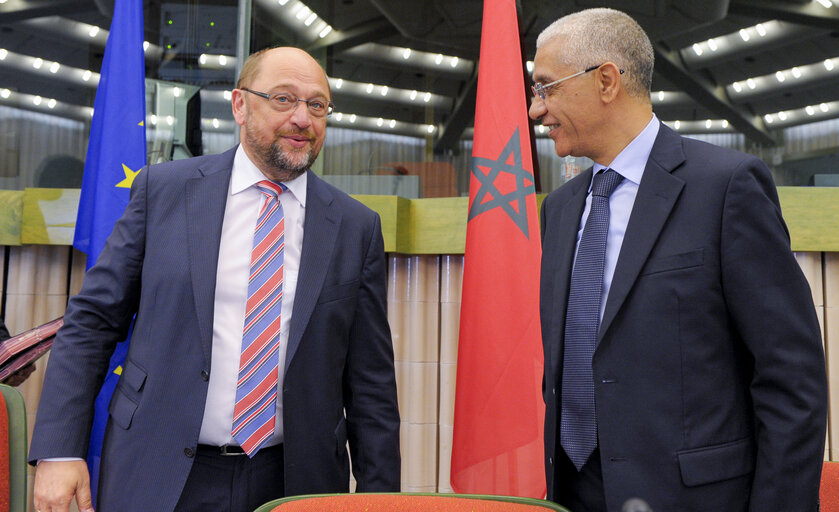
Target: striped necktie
578,426
256,391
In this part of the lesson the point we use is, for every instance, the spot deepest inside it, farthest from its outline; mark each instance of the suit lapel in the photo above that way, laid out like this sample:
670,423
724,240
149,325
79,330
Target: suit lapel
657,194
320,231
563,250
206,198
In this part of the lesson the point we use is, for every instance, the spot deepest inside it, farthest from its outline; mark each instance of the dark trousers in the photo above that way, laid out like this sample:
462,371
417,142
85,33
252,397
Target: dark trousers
232,483
579,491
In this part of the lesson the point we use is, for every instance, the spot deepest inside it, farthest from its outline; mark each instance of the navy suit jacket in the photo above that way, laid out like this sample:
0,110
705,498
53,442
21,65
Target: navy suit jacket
160,263
709,372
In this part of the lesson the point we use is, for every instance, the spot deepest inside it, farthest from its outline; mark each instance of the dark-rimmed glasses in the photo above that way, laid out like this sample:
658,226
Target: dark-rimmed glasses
287,102
541,90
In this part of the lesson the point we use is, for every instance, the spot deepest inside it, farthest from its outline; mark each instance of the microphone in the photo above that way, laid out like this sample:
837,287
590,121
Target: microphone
635,505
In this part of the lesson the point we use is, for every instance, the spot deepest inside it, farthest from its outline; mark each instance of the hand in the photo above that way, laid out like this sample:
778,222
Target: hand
17,378
56,482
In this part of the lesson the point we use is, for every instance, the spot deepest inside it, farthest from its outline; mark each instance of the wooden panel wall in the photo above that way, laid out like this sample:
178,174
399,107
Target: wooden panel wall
424,293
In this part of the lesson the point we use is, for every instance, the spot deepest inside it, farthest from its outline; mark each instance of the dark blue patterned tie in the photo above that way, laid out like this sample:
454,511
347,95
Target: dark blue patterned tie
578,428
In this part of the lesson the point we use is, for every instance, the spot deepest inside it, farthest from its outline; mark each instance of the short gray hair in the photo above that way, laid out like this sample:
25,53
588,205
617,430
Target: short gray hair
594,36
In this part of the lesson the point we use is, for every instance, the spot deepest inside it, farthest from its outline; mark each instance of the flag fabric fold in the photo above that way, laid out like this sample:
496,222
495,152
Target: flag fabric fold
115,154
499,412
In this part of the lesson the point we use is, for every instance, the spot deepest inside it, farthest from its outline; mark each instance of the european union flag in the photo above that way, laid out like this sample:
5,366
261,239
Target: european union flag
115,154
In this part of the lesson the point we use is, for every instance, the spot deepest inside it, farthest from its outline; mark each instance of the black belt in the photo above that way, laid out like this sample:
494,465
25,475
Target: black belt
230,449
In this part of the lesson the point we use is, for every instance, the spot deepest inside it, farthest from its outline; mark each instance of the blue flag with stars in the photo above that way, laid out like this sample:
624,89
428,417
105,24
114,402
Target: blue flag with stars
115,154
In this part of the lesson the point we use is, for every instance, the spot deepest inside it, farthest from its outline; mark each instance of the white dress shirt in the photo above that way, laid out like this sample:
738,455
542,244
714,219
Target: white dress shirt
240,215
630,164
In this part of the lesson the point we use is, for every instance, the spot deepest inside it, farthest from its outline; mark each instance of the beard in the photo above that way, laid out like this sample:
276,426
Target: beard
281,164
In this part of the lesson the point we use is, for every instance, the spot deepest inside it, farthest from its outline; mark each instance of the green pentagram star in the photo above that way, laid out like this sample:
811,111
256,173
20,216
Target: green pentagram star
488,187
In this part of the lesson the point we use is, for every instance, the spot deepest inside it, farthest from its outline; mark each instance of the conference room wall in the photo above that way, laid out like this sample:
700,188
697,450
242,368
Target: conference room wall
424,294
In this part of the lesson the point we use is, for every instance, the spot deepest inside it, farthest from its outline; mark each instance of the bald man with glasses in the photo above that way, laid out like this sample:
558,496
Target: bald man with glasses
261,345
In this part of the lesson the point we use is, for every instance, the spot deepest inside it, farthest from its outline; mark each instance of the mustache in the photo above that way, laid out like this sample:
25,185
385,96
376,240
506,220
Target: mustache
308,134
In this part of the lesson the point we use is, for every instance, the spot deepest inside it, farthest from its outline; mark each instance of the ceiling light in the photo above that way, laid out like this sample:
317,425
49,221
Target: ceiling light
339,116
810,110
177,92
413,95
303,12
751,83
325,32
339,83
311,19
202,59
54,67
438,59
37,63
744,34
51,104
369,88
712,44
170,120
380,121
5,93
761,30
782,116
530,66
697,49
725,123
541,128
768,118
660,95
406,53
3,53
153,119
828,64
392,123
282,2
427,97
825,3
824,107
146,45
737,86
430,128
677,124
352,118
779,75
708,124
454,62
215,122
796,73
384,90
222,60
228,95
37,100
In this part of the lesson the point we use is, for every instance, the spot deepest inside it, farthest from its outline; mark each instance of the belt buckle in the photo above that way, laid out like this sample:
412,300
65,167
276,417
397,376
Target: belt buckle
230,450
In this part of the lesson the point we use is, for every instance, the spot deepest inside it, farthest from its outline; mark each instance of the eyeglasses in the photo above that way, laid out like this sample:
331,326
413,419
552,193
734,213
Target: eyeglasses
287,102
542,90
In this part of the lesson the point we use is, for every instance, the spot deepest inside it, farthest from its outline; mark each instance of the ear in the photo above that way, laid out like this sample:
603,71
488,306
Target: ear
609,77
239,106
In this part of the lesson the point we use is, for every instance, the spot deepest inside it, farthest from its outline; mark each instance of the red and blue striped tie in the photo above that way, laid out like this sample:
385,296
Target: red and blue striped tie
256,391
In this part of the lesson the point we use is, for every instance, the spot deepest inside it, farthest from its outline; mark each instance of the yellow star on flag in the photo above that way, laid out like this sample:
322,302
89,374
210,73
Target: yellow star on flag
129,177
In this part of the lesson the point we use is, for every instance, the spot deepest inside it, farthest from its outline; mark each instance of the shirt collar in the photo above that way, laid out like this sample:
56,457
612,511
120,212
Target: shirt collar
632,160
246,174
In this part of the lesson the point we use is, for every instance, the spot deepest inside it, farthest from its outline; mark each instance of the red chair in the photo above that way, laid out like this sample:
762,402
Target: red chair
829,490
399,502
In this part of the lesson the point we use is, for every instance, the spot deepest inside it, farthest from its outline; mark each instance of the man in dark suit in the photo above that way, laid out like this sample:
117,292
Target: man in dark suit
683,357
180,259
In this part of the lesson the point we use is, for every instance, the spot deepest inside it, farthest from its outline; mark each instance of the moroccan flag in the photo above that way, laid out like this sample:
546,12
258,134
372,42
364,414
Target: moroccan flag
499,412
116,152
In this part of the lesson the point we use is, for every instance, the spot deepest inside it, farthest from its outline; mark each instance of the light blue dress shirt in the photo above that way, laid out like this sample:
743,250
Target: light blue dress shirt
630,164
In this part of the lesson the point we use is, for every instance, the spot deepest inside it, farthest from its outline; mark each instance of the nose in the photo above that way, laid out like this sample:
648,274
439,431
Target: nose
537,109
300,115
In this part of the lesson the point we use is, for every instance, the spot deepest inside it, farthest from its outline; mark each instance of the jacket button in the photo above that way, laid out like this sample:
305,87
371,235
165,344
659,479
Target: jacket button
189,452
205,375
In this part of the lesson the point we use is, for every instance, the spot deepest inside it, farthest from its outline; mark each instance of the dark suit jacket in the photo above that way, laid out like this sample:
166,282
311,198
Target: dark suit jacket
709,371
160,263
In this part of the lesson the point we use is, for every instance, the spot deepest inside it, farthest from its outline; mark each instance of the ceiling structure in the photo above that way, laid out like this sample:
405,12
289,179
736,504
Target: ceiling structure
410,66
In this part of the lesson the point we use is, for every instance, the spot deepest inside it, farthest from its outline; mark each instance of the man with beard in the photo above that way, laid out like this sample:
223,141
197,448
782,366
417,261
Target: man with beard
261,344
